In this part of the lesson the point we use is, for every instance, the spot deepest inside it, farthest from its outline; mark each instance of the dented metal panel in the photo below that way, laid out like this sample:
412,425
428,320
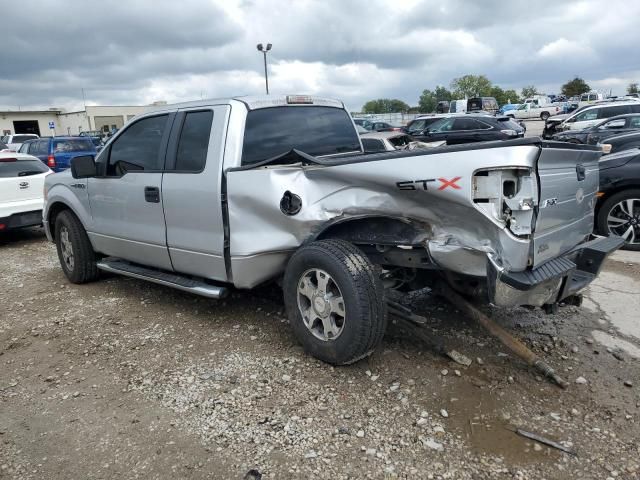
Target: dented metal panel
434,191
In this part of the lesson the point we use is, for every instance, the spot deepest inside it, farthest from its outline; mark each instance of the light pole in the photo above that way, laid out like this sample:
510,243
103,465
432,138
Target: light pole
264,52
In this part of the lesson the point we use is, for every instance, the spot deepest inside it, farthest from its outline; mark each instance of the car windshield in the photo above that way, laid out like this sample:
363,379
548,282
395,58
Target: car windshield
317,131
73,145
20,168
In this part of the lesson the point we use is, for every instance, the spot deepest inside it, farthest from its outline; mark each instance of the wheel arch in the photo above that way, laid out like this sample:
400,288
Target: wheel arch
53,210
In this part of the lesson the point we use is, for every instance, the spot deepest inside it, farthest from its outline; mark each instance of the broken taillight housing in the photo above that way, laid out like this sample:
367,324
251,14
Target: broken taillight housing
508,196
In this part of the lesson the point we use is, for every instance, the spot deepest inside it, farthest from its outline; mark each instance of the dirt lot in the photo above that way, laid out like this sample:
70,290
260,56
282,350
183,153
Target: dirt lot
124,379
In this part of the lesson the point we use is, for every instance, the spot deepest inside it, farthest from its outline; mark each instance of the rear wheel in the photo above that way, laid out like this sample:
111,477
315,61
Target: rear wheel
76,255
620,215
544,116
335,301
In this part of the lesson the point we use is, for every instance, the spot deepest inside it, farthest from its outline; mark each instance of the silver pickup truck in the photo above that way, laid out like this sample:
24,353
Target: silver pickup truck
210,195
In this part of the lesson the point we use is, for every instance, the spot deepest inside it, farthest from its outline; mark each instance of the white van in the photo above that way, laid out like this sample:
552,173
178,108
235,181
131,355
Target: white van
589,98
589,116
457,106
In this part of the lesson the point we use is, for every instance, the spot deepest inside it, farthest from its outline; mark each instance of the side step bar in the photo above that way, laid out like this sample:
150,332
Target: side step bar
180,282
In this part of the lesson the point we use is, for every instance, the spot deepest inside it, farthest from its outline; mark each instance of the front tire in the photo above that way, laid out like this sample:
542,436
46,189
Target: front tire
76,255
620,215
335,301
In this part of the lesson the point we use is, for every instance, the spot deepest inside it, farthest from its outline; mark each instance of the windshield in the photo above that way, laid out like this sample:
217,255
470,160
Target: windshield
317,131
73,145
21,168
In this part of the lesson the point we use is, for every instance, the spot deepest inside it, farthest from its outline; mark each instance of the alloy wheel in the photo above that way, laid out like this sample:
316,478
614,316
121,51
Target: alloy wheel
321,304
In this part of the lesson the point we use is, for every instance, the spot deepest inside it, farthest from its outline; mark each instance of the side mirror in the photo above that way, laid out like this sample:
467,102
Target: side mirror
83,167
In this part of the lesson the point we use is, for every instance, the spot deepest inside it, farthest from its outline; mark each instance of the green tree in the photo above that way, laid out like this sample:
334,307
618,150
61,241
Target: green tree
471,86
577,86
499,94
633,88
427,101
529,91
511,96
442,93
385,105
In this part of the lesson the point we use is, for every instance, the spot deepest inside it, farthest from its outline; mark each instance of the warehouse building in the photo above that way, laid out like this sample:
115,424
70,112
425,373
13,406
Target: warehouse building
55,121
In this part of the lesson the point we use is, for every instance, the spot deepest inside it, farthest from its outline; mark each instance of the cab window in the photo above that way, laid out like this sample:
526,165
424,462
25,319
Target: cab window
138,148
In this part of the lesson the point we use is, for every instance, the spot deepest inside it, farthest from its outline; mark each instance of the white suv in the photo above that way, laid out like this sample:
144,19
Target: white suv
590,116
14,142
21,190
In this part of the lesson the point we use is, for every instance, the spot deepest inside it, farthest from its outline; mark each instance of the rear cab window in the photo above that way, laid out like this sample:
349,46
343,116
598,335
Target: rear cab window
73,145
10,167
315,130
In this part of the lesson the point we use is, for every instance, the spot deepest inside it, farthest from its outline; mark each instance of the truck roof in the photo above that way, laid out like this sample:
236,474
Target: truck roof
253,102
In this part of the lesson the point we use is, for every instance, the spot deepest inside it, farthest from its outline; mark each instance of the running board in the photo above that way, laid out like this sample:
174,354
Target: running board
173,280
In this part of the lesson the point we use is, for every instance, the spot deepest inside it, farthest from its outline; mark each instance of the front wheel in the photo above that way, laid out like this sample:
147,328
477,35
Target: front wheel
335,301
76,255
620,215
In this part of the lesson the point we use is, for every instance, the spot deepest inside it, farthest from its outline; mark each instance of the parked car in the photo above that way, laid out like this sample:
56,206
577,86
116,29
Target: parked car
57,152
21,190
363,122
419,124
619,143
594,114
373,142
507,107
618,207
487,104
471,128
601,131
384,127
457,106
205,196
14,142
590,98
533,110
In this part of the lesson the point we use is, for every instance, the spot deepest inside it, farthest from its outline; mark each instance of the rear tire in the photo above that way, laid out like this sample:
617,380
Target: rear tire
544,116
616,207
76,255
335,301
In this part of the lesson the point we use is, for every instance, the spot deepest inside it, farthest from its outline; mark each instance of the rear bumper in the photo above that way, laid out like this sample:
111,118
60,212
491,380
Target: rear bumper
552,281
20,220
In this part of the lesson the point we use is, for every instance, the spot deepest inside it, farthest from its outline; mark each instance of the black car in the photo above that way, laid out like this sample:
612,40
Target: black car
623,142
470,128
598,133
382,127
420,124
618,207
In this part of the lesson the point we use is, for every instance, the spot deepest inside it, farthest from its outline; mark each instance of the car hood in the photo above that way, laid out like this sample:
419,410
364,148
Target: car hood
618,159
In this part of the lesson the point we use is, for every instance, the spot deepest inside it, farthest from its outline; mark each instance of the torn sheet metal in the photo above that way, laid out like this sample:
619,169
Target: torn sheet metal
433,191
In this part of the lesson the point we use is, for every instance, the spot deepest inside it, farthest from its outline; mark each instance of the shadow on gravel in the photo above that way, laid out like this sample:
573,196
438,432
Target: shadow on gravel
23,236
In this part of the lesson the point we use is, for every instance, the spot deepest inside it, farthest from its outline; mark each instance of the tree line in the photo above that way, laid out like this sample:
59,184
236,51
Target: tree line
472,86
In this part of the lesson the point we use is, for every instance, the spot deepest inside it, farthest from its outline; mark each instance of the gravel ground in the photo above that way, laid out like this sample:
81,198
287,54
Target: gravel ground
125,379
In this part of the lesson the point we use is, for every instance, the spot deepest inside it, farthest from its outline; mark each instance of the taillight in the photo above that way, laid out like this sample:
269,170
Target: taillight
51,161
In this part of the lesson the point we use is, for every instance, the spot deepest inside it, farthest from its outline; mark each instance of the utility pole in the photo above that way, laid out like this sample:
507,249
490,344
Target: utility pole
264,51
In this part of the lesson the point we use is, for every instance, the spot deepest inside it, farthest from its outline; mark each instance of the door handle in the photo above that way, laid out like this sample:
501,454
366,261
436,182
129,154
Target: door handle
152,194
581,172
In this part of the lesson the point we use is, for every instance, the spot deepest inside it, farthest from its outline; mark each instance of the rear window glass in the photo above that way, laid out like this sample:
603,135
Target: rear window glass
3,146
194,141
22,138
73,145
372,145
317,131
21,168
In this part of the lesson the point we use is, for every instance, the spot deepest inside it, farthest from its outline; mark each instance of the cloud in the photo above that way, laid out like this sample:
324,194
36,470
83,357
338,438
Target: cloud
566,49
139,51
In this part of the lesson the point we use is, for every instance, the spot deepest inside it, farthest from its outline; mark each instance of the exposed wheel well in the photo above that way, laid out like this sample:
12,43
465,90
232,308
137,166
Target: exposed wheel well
375,230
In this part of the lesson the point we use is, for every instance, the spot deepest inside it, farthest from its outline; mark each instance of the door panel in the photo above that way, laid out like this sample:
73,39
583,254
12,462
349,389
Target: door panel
126,203
192,202
125,224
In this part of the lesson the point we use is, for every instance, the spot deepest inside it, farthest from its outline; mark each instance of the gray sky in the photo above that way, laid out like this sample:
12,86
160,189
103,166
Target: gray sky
136,52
